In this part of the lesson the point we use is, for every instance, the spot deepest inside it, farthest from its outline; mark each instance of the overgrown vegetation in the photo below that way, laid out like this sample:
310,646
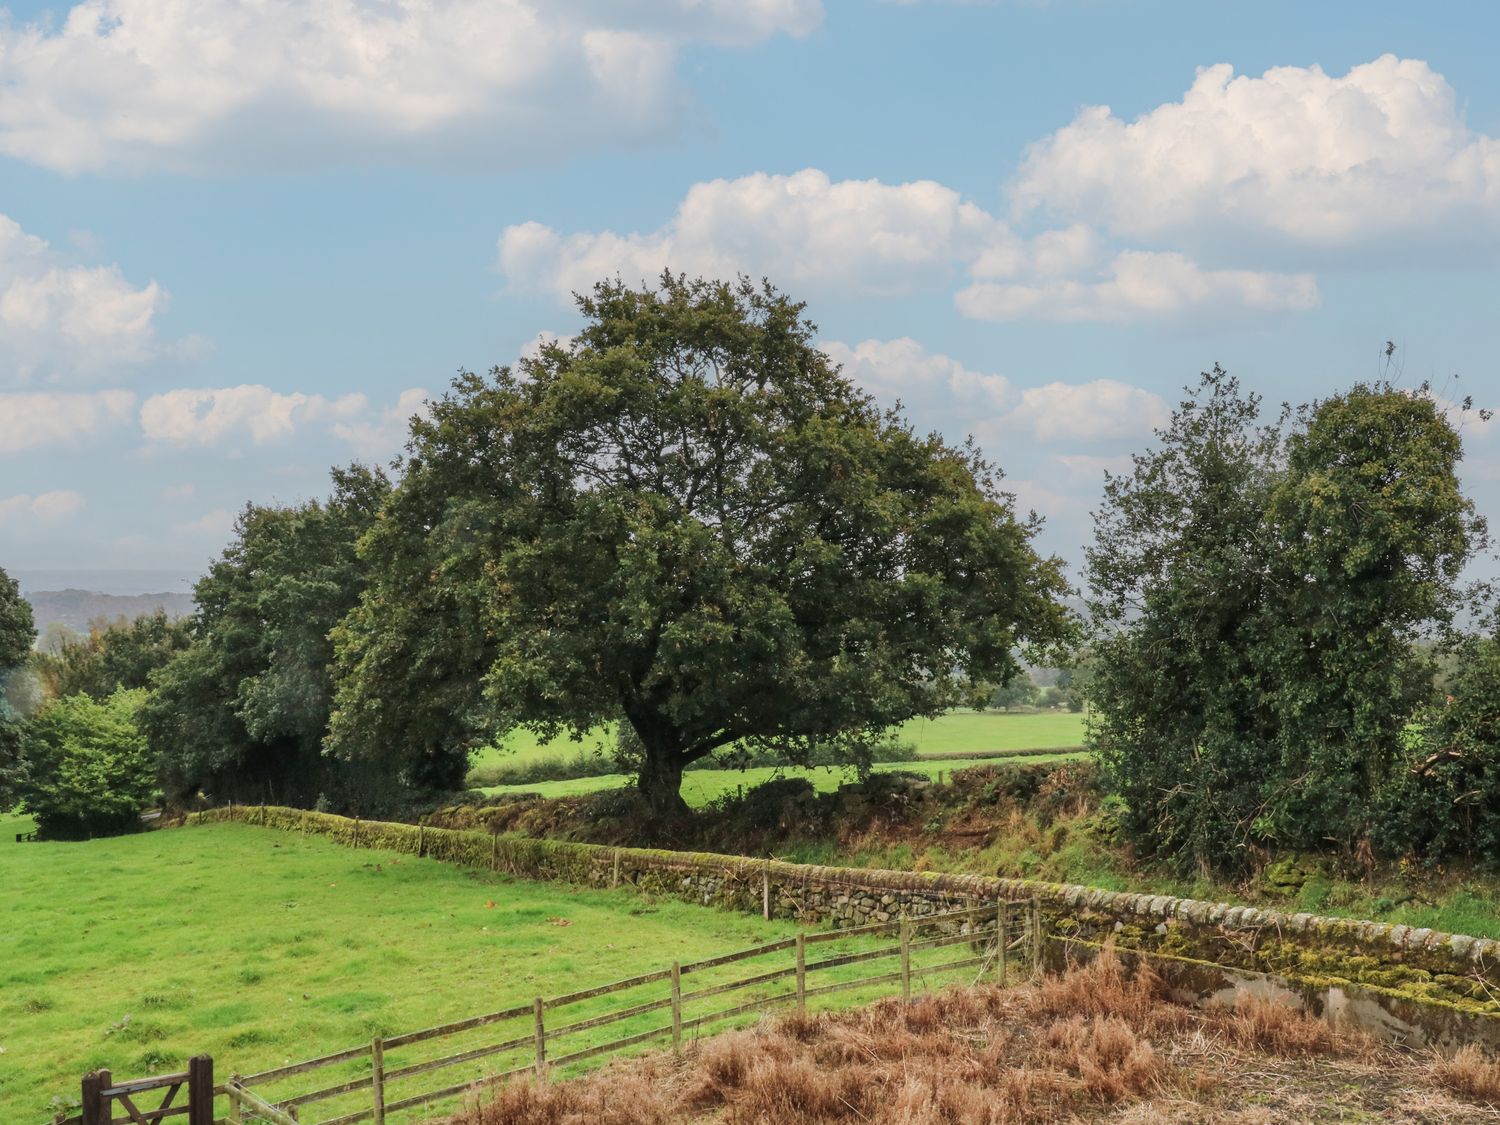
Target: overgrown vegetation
1259,592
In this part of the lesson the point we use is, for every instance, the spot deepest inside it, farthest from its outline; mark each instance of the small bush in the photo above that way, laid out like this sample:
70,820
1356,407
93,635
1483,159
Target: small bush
90,771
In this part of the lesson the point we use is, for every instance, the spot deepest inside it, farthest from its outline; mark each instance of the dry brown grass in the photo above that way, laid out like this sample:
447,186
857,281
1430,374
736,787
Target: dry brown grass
1275,1029
1093,1044
1471,1073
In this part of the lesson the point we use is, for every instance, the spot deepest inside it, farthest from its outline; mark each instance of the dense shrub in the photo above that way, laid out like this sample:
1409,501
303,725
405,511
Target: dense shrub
1445,798
89,769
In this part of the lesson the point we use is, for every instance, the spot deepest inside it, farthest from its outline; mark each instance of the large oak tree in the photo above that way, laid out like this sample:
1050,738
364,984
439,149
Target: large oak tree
687,519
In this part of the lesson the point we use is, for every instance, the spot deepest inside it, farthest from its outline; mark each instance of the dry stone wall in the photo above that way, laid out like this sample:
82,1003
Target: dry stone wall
1420,985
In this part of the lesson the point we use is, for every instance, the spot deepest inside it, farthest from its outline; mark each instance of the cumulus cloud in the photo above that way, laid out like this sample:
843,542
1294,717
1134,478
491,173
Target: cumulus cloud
934,385
875,239
1307,157
203,417
47,507
383,436
1140,284
61,321
215,524
892,369
804,230
1087,412
205,85
53,419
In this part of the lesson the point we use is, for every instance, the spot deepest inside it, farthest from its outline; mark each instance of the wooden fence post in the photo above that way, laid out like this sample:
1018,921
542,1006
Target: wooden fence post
906,960
1036,933
1002,934
676,1008
541,1041
377,1079
765,892
495,852
233,1091
95,1112
421,840
801,973
614,879
201,1090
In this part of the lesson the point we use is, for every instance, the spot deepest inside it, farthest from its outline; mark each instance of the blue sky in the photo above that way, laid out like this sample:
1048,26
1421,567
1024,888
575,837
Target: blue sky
240,241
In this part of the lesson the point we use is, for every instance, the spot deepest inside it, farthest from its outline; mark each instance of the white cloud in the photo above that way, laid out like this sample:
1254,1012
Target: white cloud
204,85
62,321
874,239
1087,412
52,419
803,230
202,417
1090,467
933,385
178,491
892,369
215,524
1141,284
48,507
384,436
1308,157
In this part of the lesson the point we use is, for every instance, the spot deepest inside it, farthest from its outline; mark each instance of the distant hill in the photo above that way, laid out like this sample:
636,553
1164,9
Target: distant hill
76,608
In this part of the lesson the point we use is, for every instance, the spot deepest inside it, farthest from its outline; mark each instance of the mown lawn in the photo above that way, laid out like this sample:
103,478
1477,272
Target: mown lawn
956,732
699,787
260,947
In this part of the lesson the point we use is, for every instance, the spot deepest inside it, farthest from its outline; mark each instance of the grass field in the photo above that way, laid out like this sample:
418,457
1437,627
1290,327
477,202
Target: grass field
261,947
955,732
258,947
699,787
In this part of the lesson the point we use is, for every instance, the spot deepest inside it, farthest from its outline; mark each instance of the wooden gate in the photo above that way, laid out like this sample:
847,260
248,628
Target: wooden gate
101,1095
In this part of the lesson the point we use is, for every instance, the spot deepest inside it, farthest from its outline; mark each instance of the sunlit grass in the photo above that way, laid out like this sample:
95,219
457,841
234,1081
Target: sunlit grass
260,947
699,787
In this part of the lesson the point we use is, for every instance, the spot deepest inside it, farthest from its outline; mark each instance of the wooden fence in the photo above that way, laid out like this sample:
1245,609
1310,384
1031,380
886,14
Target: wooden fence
101,1094
382,1089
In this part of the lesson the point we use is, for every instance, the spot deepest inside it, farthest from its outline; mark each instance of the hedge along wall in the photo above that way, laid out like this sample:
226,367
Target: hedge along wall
1419,985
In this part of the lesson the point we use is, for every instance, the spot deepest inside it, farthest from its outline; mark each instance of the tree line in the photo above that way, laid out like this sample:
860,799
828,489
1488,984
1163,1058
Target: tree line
687,522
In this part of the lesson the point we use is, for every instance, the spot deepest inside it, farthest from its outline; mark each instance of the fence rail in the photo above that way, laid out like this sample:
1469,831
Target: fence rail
999,936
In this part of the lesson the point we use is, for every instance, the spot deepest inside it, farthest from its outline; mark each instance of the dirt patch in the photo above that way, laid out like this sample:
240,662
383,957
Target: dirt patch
1092,1046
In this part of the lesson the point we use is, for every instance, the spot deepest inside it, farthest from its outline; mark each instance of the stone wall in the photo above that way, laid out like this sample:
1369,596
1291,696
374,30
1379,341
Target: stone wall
1417,984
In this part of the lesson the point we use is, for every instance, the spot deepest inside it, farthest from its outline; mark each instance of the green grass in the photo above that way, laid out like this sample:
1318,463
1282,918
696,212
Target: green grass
699,787
961,732
260,947
521,748
956,732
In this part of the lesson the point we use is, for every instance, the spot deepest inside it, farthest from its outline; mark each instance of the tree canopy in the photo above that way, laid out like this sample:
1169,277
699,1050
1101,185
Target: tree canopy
114,655
688,519
17,634
1258,592
241,712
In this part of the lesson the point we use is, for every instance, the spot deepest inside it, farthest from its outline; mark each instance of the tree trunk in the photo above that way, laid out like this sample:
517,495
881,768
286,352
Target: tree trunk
660,781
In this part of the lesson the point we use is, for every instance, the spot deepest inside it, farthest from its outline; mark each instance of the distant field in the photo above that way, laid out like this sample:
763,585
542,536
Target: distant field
955,732
260,947
699,787
967,731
